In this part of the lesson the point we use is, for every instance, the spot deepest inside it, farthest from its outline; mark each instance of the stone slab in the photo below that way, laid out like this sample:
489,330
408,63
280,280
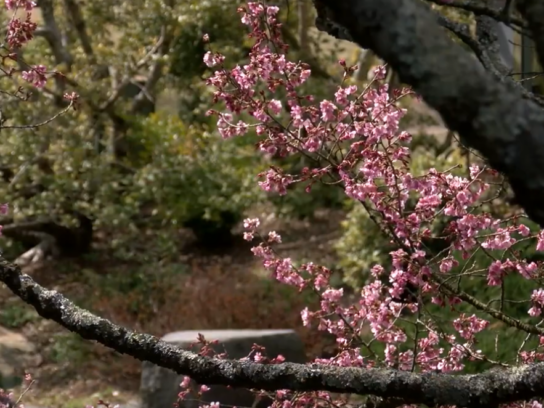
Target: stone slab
160,387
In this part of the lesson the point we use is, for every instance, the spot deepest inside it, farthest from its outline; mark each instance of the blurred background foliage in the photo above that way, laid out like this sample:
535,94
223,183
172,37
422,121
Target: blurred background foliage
139,152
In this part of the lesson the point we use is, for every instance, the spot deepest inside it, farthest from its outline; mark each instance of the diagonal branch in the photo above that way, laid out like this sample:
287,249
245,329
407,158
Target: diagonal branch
488,38
52,34
488,389
76,16
491,63
490,116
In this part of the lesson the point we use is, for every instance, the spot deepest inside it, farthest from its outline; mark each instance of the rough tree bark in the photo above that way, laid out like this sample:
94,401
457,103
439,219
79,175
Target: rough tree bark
490,116
489,112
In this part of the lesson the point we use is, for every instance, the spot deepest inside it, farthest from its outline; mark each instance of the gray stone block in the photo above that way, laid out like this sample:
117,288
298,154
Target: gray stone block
160,387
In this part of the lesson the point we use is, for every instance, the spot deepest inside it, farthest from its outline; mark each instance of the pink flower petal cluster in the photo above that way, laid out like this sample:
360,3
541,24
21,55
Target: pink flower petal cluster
373,167
19,32
355,139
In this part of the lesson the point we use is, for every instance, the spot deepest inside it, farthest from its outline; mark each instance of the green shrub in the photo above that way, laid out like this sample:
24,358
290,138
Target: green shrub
16,315
69,347
194,178
301,204
362,245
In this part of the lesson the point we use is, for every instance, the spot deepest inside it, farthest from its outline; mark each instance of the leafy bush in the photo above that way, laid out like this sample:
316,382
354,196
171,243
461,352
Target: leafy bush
193,178
362,245
15,315
302,203
219,20
69,347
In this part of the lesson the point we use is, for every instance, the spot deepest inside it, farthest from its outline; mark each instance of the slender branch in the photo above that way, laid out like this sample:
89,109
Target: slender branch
493,66
488,389
79,24
471,300
42,123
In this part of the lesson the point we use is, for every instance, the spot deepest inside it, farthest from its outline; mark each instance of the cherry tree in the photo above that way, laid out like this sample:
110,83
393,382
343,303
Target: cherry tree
354,138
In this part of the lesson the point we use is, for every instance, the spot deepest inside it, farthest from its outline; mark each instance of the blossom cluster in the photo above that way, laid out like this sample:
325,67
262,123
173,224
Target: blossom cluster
357,140
19,32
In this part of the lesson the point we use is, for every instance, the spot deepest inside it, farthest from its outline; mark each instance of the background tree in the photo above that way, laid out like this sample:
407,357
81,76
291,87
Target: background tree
137,71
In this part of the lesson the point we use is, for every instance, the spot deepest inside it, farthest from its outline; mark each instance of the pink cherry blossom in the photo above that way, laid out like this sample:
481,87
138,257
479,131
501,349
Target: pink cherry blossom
358,131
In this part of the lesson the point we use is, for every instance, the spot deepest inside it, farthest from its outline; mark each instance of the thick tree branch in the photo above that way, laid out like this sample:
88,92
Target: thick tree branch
490,116
488,38
488,389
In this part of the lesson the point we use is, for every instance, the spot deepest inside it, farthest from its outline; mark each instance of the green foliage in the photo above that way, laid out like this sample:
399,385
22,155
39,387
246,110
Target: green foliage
362,245
10,382
118,167
191,174
218,19
69,347
16,315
